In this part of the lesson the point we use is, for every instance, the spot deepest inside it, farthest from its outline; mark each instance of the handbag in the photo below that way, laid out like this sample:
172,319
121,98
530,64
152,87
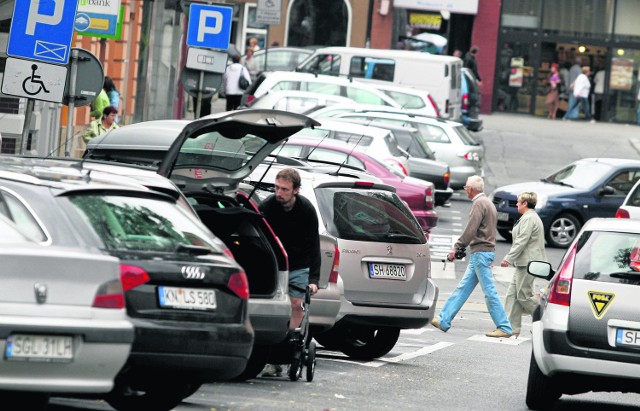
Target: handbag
243,83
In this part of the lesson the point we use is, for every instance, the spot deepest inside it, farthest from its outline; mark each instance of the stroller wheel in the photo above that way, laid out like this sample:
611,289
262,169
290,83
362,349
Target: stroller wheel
295,369
311,361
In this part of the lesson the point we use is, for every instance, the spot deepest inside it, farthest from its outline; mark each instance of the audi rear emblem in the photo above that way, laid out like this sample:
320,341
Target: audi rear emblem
41,292
192,273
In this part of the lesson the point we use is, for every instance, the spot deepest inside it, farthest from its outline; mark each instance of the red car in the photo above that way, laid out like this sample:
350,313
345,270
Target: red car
418,194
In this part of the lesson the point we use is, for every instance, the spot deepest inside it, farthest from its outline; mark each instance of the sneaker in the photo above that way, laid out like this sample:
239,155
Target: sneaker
436,324
272,370
592,121
498,334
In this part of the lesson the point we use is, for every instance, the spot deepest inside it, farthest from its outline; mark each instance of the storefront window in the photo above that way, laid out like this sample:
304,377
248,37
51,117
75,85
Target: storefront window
627,27
524,14
515,77
318,23
580,18
623,85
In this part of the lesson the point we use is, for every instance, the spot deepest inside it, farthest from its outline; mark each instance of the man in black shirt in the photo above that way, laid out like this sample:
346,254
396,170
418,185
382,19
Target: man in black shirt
471,63
295,222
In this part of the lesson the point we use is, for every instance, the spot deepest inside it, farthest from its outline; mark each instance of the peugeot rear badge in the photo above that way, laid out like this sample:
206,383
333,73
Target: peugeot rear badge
41,292
192,273
389,250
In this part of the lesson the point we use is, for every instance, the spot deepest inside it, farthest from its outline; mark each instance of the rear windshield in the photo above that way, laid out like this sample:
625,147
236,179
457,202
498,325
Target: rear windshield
215,150
465,136
608,257
368,215
127,223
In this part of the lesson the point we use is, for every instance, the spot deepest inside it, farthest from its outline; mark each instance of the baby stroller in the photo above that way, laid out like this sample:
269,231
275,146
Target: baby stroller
298,349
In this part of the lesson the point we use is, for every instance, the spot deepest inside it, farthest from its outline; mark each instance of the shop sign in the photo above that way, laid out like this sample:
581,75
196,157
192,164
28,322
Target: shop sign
99,18
425,21
452,6
621,73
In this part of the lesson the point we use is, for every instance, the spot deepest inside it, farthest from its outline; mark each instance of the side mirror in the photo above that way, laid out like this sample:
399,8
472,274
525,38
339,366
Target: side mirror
540,269
607,190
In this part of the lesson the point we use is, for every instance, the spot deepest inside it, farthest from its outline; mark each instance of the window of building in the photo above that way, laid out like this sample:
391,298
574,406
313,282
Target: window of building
318,23
580,18
522,14
627,12
253,29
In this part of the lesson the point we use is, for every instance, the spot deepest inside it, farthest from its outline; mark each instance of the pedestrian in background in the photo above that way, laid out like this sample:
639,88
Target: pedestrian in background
480,236
638,109
457,53
527,245
574,72
232,91
553,98
98,105
471,63
113,94
580,92
101,125
253,44
252,65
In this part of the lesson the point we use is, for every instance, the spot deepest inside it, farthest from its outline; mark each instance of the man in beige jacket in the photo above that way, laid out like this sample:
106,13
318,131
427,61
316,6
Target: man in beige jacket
528,245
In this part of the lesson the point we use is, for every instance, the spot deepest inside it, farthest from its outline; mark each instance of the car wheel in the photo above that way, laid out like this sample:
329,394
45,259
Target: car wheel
255,364
506,234
154,395
563,230
368,343
541,391
330,339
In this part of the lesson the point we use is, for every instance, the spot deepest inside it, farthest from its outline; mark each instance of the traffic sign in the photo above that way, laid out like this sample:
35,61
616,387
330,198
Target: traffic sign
209,26
190,79
206,60
89,79
34,80
269,12
42,30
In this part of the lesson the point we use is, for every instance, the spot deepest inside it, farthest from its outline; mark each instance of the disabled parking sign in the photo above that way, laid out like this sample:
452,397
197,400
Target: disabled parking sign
42,30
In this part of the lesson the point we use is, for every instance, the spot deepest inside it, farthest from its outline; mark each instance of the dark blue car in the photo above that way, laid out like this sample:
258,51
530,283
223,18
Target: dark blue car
587,188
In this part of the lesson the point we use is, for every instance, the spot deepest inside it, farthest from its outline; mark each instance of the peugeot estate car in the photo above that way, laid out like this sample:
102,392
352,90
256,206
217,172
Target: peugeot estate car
187,299
586,331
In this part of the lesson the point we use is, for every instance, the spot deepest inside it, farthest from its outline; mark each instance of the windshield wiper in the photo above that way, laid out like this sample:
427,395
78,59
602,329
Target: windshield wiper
560,183
192,249
398,236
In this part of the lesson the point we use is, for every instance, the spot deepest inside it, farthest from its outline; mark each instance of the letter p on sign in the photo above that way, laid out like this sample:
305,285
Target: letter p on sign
203,28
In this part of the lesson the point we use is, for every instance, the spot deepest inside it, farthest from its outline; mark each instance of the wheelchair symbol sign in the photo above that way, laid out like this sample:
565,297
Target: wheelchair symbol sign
35,80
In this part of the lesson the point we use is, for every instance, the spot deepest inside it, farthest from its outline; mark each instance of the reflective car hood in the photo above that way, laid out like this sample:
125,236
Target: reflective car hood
538,187
274,126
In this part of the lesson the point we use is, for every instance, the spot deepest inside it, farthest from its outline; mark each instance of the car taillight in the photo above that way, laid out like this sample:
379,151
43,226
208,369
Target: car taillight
109,295
435,106
447,178
471,156
363,184
397,165
561,287
333,276
132,276
446,106
228,253
239,284
465,101
250,99
622,213
428,198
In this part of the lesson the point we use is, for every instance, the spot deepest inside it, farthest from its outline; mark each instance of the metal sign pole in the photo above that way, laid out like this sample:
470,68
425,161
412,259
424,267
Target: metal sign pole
266,51
72,98
27,125
200,87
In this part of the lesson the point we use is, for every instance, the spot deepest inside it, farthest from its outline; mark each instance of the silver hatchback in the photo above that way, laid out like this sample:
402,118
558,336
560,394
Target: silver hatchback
586,331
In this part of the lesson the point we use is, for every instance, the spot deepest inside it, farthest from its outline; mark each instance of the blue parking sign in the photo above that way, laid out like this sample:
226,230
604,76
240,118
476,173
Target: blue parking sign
42,30
209,26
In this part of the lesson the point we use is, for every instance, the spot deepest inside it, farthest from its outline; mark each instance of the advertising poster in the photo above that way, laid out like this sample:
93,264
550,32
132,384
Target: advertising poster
99,19
621,73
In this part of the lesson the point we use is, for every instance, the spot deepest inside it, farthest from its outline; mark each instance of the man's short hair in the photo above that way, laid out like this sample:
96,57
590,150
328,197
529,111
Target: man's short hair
108,110
476,183
291,175
530,198
474,50
235,58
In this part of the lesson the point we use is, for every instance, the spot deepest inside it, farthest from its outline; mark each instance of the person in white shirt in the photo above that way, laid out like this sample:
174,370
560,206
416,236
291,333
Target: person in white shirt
598,93
232,91
252,65
581,88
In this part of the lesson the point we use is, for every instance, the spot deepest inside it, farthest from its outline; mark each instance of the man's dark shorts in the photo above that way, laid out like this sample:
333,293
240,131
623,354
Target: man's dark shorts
300,280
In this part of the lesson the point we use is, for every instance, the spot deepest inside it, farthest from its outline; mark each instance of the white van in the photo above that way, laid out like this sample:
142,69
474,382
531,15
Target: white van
436,74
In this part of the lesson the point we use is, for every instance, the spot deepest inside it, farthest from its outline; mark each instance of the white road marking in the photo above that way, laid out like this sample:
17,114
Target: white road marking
415,331
407,356
507,341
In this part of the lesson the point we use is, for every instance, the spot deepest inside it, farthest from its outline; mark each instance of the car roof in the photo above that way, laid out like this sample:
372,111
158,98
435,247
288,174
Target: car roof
403,116
274,94
150,135
612,224
386,85
346,126
386,53
617,162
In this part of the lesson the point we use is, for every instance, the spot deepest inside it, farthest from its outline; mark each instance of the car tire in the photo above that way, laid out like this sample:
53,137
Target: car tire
541,390
563,230
256,363
330,339
155,395
368,343
506,234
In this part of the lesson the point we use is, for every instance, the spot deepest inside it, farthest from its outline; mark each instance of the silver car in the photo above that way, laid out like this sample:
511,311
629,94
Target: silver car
586,331
384,261
450,141
63,322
